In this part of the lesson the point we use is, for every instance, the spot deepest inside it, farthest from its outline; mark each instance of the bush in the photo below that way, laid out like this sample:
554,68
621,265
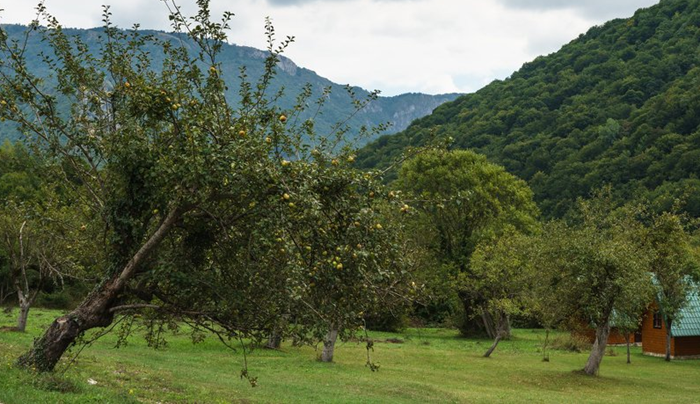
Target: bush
56,300
66,298
568,342
389,322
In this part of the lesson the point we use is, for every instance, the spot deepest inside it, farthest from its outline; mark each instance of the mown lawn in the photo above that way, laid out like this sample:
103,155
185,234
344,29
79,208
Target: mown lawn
430,366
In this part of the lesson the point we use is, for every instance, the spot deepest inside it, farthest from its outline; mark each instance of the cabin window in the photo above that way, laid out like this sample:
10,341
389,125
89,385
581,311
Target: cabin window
657,319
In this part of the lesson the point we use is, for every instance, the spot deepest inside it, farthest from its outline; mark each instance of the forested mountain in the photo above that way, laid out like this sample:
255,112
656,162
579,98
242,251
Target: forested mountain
619,105
399,111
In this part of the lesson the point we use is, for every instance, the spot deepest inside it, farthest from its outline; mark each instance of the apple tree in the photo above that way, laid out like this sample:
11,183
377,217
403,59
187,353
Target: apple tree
215,214
592,266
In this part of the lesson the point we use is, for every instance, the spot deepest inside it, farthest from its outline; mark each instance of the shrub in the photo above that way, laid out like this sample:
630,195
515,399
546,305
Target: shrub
568,342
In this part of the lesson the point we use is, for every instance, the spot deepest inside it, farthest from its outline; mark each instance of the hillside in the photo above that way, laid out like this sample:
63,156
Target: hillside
618,105
399,110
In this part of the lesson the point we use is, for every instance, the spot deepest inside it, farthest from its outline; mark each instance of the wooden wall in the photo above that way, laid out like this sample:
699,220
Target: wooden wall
653,339
615,337
687,346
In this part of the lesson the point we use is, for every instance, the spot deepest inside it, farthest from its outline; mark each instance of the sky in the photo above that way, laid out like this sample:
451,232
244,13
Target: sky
395,46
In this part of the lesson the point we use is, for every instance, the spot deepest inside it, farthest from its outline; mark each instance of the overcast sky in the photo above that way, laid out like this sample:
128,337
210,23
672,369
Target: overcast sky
396,46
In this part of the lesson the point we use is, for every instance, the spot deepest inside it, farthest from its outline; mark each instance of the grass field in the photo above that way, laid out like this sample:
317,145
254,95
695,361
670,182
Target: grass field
430,366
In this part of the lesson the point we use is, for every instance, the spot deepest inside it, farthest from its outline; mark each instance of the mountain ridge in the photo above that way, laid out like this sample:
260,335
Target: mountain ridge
398,110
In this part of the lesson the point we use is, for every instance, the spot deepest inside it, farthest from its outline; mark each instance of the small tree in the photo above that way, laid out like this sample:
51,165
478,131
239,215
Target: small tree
37,241
627,326
501,278
595,266
338,231
39,234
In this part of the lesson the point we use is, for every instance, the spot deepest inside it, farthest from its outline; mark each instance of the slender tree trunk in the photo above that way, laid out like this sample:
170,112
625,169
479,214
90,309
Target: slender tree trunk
598,350
668,340
489,324
329,344
4,292
21,281
24,305
545,358
501,329
627,338
94,311
493,346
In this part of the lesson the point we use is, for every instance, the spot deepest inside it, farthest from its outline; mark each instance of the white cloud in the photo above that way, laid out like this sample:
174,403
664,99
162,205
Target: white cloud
595,9
392,45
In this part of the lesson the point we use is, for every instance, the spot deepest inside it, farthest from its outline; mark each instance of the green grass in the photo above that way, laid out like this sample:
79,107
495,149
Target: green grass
431,366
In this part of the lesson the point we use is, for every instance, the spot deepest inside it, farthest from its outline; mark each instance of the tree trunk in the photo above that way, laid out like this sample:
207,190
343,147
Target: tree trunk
598,350
4,292
275,340
493,346
495,323
94,311
502,328
489,324
668,340
329,344
24,297
62,333
627,338
545,358
24,305
506,326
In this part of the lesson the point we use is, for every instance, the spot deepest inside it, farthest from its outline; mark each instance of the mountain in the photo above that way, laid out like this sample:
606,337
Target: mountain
399,111
619,105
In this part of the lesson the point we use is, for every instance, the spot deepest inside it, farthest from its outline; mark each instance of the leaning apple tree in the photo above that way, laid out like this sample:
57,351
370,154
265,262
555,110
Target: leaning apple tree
226,216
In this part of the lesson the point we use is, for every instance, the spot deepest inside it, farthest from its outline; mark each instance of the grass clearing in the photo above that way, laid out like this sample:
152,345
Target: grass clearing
429,366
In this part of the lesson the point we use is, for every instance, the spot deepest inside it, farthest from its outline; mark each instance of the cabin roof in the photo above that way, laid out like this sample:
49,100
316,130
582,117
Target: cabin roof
689,323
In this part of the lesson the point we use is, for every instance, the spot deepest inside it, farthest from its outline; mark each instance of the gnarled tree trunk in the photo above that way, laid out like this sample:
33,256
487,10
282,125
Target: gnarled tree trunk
598,350
94,311
62,333
329,344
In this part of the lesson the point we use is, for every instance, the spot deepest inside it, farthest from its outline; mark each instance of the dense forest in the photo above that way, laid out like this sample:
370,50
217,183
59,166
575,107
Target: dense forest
615,106
397,111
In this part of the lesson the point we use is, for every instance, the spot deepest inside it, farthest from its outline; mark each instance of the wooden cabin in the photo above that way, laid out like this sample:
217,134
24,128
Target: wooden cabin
616,337
685,333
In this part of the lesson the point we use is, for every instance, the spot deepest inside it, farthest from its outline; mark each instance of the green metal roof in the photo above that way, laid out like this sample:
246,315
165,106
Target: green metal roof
689,323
